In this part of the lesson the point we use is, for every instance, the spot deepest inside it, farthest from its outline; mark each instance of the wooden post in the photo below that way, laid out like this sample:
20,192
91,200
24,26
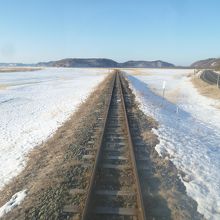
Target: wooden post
164,87
218,80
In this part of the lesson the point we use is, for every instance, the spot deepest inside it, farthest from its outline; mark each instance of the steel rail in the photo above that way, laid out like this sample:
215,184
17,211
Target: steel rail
142,215
140,204
210,77
86,210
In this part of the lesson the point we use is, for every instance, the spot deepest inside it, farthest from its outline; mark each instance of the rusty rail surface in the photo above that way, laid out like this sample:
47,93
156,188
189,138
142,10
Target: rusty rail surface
87,204
114,189
131,145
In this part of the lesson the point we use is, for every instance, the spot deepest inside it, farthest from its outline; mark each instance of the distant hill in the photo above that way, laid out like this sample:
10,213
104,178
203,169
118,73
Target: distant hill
146,64
97,62
94,62
80,63
211,63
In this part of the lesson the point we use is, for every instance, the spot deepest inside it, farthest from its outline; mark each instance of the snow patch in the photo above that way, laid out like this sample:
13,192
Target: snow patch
189,137
214,64
15,200
34,105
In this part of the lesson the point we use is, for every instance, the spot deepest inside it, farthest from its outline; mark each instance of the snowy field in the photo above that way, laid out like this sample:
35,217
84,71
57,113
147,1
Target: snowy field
33,105
189,131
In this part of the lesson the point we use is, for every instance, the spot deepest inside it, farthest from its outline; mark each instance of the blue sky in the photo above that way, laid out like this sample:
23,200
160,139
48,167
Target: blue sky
178,31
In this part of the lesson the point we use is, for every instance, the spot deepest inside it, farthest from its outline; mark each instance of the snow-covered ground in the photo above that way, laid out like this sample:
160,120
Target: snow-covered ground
33,105
189,131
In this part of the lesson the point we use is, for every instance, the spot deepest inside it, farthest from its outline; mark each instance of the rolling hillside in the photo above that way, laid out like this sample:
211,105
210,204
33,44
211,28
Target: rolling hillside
97,62
211,63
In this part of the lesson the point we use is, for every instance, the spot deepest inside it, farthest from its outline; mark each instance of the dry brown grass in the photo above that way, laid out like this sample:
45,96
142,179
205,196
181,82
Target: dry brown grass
206,89
18,69
2,87
173,96
138,71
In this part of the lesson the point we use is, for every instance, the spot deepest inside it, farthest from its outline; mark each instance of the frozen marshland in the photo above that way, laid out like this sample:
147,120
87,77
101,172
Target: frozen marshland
33,105
189,131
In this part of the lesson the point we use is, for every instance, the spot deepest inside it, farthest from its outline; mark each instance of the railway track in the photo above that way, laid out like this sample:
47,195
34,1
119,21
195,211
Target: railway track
210,77
113,190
